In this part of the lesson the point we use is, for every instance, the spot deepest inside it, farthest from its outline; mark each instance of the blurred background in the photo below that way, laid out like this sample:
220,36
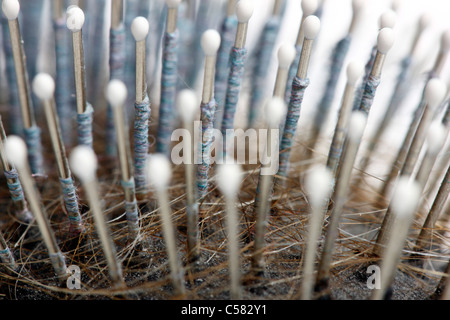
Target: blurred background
335,22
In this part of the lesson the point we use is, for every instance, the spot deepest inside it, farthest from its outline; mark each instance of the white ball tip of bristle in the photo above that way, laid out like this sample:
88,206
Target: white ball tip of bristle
388,19
357,125
139,28
229,178
436,137
405,198
158,171
116,93
319,183
385,40
275,111
309,7
187,105
16,151
355,70
43,86
286,55
445,41
83,163
311,27
173,3
11,9
75,18
435,92
210,42
244,10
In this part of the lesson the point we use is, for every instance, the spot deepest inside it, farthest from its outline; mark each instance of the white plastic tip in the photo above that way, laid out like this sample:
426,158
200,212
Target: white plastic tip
275,111
436,137
16,151
43,86
357,125
445,41
173,3
139,28
355,70
187,105
116,93
319,183
311,27
75,18
244,10
435,91
309,7
158,171
388,19
210,42
385,40
83,163
229,178
405,198
286,55
425,20
11,9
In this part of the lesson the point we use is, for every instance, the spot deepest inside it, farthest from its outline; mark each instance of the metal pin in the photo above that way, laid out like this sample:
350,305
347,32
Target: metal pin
208,78
434,213
241,35
140,71
79,69
116,13
277,7
83,163
274,113
115,270
171,25
139,29
116,94
21,74
357,123
231,7
305,56
57,9
16,152
229,180
159,173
